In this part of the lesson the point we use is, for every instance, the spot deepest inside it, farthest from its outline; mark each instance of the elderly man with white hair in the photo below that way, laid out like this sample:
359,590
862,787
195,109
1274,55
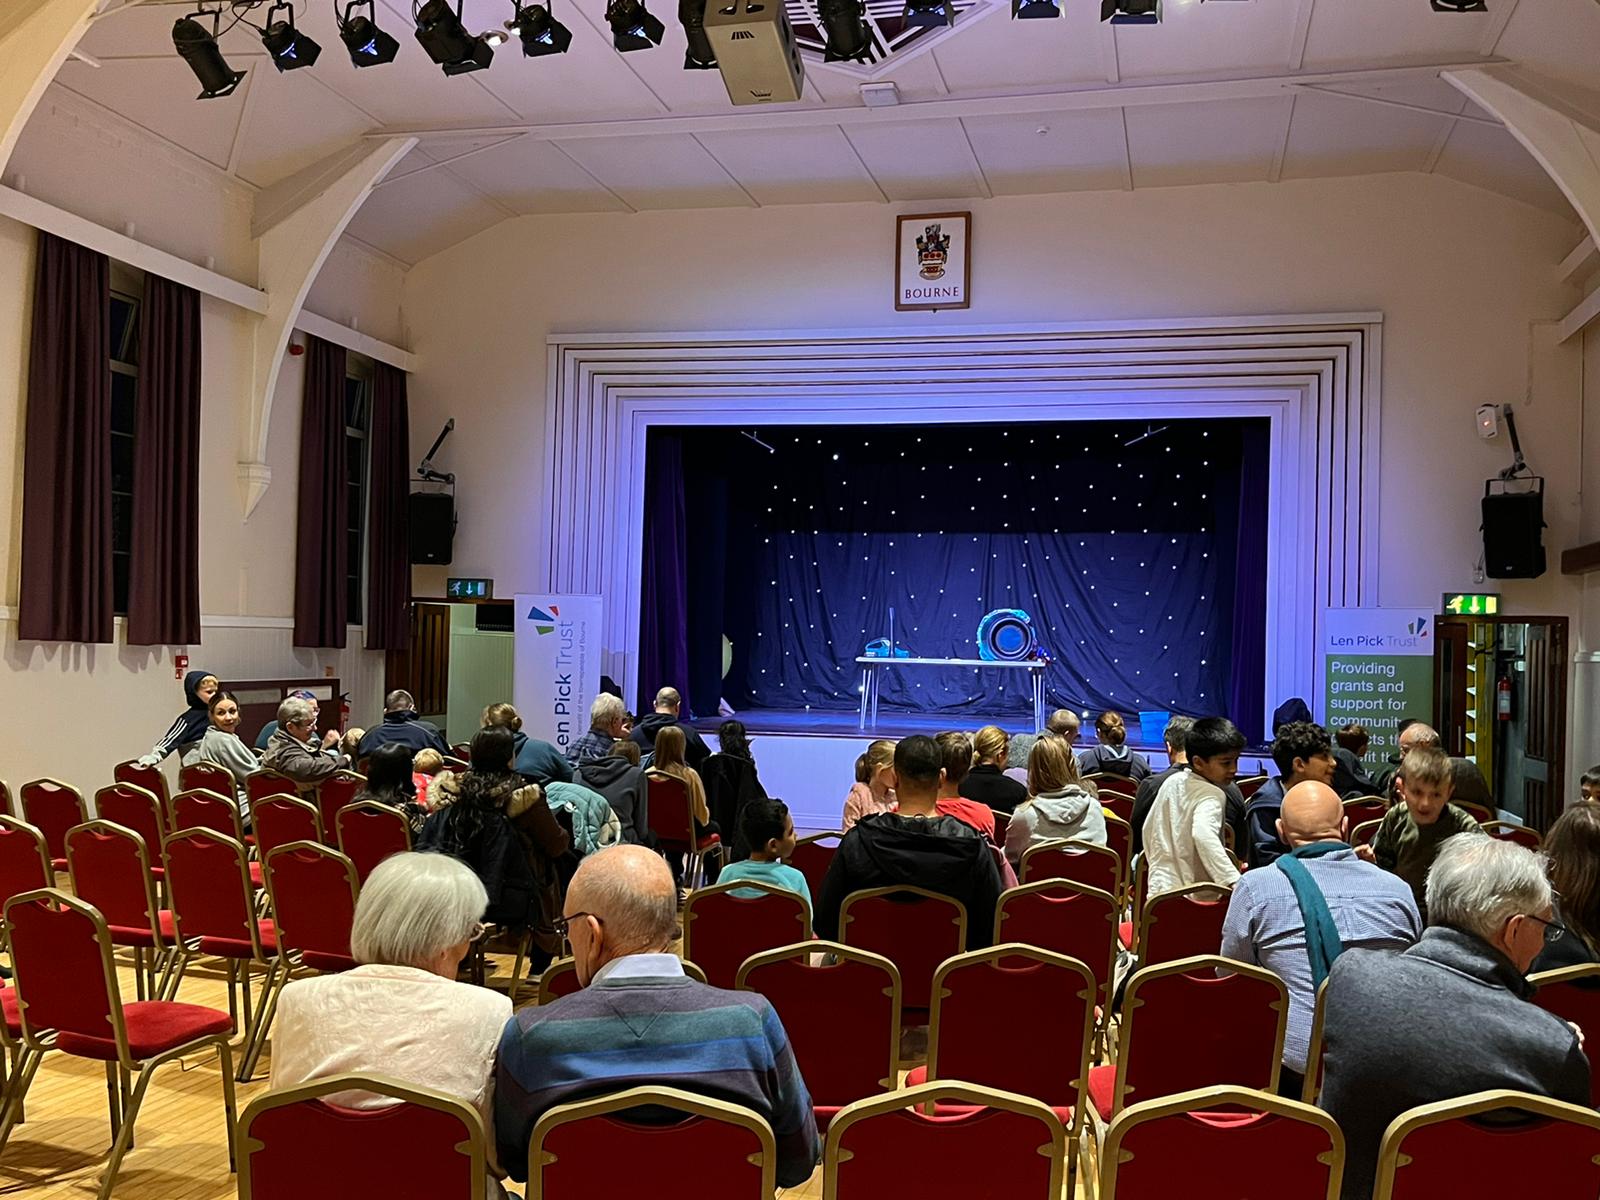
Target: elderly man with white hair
606,724
296,751
1448,1016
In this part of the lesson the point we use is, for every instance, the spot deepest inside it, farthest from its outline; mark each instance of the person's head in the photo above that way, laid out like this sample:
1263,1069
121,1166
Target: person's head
399,700
668,701
351,741
606,714
1355,738
316,706
1311,812
1051,766
1495,890
732,739
990,745
503,715
1110,729
427,761
1213,747
1589,785
297,718
1176,736
223,709
1572,853
1425,782
1303,751
671,748
389,771
955,760
493,750
1417,735
768,829
863,772
917,762
1064,723
621,901
200,686
418,910
627,748
879,766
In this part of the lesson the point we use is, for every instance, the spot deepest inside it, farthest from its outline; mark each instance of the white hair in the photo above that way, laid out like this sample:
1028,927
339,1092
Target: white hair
1477,884
294,711
606,709
413,907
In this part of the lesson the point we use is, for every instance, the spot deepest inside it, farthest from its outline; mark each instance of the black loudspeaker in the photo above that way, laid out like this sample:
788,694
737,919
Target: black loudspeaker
433,527
1513,532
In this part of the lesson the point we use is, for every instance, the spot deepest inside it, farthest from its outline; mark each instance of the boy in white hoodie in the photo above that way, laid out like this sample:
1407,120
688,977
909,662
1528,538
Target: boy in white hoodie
1183,833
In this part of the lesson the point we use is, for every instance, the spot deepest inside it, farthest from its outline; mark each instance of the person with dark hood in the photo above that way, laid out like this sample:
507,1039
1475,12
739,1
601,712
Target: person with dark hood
731,783
390,781
620,779
402,724
668,705
189,726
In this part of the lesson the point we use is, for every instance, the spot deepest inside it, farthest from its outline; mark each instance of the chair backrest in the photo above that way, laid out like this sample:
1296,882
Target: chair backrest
668,811
841,1059
136,808
1311,1087
812,856
1365,808
559,979
1002,822
571,1140
1364,833
205,809
970,989
1113,785
279,820
1478,812
1250,786
722,929
1573,994
63,971
1182,923
24,860
109,865
208,882
150,779
53,807
1447,1149
1184,1027
1081,862
293,1140
313,892
370,832
993,1144
912,927
267,782
211,777
1067,918
1506,831
1257,1147
1119,839
5,800
337,791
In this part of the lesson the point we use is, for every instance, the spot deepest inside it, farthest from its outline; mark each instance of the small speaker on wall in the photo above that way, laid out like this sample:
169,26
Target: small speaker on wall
1513,530
433,527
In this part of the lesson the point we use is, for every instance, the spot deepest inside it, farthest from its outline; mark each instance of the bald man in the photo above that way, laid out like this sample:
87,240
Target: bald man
1321,886
640,1020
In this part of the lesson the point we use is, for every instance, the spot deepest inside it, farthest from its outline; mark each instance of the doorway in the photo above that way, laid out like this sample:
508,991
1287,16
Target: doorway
459,661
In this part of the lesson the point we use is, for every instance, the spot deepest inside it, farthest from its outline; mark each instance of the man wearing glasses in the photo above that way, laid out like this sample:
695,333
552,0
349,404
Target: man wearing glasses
1449,1016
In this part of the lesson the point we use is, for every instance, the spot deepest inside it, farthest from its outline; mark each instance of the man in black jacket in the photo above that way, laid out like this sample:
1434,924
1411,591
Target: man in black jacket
668,702
916,846
402,724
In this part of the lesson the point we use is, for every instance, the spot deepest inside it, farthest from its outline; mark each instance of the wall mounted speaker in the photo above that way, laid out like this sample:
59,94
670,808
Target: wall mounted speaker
433,527
1513,531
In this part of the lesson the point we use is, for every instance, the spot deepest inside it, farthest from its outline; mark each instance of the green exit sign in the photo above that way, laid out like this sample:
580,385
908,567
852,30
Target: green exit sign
1480,604
469,589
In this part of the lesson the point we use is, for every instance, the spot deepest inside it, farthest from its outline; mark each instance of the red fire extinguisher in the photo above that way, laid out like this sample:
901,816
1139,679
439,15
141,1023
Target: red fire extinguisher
1502,698
344,710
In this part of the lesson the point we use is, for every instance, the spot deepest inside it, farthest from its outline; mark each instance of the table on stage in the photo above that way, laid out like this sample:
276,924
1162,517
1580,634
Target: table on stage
870,666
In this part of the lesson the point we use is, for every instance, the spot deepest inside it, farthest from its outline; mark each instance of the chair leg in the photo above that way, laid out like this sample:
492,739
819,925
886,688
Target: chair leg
27,1067
177,964
114,1099
516,971
263,1022
125,1137
229,1105
138,973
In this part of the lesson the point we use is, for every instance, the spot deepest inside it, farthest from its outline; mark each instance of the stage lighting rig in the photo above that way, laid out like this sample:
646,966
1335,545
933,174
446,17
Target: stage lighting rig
632,25
441,33
700,56
849,36
1029,10
1131,12
290,49
198,47
540,32
368,45
933,13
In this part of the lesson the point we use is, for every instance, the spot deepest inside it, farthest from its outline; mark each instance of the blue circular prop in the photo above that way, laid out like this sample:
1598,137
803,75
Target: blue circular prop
1006,635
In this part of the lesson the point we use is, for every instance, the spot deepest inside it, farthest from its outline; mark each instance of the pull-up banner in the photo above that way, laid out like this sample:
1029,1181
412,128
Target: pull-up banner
557,665
1378,668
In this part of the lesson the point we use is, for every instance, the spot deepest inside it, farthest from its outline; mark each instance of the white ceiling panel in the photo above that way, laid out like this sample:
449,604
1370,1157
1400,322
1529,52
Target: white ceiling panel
1204,39
1561,38
589,82
159,94
1493,159
147,31
1050,152
1333,135
536,177
918,160
660,171
1365,31
793,166
423,215
1028,54
1219,141
292,123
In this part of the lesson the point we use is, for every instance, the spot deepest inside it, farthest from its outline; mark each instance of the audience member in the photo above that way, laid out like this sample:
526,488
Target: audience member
1112,756
189,726
987,781
619,778
1178,760
1183,833
955,751
220,744
916,846
670,762
390,781
1449,1016
536,759
668,703
1412,833
1467,780
271,727
1063,722
641,1021
294,750
1572,857
425,768
1320,901
769,832
731,782
1057,805
1303,752
607,723
350,740
1589,785
1350,778
873,790
402,724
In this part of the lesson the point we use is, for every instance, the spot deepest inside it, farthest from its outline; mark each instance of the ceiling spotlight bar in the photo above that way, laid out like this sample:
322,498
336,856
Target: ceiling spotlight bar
198,47
632,26
368,45
441,33
290,49
540,32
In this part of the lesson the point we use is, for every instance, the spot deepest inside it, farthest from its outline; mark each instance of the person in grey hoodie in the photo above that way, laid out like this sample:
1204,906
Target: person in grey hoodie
620,779
221,745
1057,806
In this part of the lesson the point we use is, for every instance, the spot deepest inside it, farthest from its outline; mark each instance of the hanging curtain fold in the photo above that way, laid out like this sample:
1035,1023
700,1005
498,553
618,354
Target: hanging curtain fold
388,538
664,602
321,548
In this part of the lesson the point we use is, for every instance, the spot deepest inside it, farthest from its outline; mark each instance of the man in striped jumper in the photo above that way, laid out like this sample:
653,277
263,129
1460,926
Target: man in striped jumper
641,1021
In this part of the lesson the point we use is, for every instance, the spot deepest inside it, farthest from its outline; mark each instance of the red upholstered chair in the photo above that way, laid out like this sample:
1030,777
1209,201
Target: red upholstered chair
812,856
841,1060
370,832
1573,994
1506,831
24,859
1002,822
337,791
726,924
53,807
1185,1027
1480,813
109,867
5,800
1138,893
732,1143
1312,1087
978,1143
1365,808
1182,923
209,776
205,809
66,983
1079,862
139,809
1067,918
1448,1149
1250,786
263,783
1119,838
150,779
673,826
560,979
295,1144
913,928
1113,785
1364,833
1260,1148
279,820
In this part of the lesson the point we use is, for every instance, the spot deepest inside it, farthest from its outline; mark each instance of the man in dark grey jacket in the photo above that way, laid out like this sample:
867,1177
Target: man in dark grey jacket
1449,1016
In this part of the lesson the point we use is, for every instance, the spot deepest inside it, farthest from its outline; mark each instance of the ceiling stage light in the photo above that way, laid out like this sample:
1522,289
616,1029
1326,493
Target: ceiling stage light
1460,6
369,46
699,56
441,33
1029,10
540,32
199,49
934,13
1131,12
849,37
632,26
288,46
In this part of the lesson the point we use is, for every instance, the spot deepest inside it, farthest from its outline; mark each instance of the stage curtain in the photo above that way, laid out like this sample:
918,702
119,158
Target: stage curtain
164,563
664,602
66,581
321,549
1246,696
388,548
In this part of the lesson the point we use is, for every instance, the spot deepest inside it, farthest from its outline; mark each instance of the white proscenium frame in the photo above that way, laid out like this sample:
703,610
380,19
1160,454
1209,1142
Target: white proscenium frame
1315,378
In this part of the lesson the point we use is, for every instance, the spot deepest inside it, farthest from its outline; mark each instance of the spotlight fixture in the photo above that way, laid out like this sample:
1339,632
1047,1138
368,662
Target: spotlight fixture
1460,6
1028,10
1131,12
849,37
288,46
632,26
199,49
933,13
369,46
700,56
441,33
540,32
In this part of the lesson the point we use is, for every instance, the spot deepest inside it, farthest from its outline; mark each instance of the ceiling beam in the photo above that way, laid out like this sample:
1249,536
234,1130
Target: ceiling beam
1452,117
1301,34
1576,321
1580,260
35,38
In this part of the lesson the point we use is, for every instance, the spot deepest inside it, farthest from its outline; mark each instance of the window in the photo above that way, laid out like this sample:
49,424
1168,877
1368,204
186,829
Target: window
124,355
357,423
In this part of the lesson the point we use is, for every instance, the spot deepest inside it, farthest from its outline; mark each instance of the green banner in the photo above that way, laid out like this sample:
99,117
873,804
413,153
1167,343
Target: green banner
1377,671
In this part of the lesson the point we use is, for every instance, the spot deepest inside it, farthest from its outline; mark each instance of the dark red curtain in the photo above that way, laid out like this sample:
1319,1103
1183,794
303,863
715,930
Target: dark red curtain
321,550
664,603
164,567
66,483
388,549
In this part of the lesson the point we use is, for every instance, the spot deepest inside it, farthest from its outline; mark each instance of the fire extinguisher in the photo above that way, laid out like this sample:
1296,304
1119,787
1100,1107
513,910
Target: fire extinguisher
344,710
1502,698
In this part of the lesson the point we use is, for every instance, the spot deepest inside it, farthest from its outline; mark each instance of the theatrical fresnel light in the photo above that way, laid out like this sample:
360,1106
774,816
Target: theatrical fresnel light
1028,10
849,35
632,26
368,45
198,47
290,49
1131,12
933,13
441,33
699,56
540,32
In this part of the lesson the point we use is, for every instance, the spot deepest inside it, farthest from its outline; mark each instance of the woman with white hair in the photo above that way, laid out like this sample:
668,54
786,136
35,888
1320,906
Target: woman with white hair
401,1013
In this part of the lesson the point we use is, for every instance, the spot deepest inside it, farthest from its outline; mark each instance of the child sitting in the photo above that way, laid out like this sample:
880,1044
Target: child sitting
871,792
769,830
425,764
1057,806
957,751
1412,833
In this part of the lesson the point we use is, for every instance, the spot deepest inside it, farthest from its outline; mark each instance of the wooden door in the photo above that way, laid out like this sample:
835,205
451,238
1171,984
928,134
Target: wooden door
1452,657
1544,752
423,667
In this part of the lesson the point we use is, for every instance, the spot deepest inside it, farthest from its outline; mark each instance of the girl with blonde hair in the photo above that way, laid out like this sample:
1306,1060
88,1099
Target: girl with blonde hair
1058,806
987,782
871,793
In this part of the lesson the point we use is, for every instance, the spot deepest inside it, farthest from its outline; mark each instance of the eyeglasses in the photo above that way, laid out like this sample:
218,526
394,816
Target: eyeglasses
1553,930
563,925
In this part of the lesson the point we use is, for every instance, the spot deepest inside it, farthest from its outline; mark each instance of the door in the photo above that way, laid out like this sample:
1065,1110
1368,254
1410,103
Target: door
1544,748
423,668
